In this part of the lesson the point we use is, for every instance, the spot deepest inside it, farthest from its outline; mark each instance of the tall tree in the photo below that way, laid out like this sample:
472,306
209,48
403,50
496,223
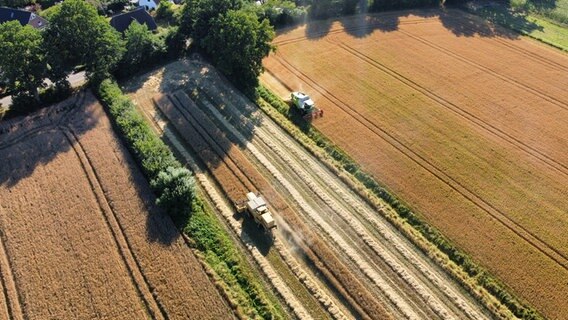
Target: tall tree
237,42
77,35
22,58
142,46
197,15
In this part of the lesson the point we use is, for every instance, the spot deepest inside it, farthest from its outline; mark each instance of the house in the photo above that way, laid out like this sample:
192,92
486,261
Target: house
122,21
24,17
149,4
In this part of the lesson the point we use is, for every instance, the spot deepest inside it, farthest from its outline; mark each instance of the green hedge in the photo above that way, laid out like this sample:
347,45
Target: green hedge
174,187
482,277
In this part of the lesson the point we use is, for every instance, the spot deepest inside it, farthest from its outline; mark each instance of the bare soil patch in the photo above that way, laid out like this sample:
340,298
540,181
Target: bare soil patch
469,129
81,237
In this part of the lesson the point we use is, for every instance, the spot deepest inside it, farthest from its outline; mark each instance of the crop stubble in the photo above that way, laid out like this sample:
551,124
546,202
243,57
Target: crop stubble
196,129
76,226
478,131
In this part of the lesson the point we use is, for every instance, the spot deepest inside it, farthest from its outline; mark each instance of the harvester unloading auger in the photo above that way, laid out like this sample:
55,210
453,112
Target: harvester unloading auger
306,105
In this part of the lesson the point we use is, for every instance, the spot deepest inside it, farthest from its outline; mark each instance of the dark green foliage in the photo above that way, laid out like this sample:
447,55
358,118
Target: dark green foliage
165,12
237,42
197,15
142,48
15,3
151,152
323,9
281,12
176,189
77,35
22,59
482,277
231,35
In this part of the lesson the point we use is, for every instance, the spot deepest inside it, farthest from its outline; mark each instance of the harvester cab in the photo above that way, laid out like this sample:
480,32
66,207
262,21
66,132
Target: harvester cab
256,207
305,104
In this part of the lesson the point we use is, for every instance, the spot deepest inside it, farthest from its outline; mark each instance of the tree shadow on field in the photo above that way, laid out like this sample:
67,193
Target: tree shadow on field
27,142
459,22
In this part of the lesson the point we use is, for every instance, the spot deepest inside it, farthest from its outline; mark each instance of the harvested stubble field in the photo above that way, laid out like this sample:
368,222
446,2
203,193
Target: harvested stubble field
464,121
236,176
80,235
334,234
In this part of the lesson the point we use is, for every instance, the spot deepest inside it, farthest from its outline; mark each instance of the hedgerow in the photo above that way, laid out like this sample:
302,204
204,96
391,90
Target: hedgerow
176,193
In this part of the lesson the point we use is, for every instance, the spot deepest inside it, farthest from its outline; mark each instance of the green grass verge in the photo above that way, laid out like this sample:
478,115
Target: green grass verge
528,24
460,265
174,187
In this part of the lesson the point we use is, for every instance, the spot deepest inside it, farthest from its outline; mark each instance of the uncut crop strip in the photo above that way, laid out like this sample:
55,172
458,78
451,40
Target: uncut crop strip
532,239
226,210
333,270
477,121
153,307
277,142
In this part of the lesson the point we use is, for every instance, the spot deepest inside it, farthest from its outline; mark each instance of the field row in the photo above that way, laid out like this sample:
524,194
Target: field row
78,239
483,137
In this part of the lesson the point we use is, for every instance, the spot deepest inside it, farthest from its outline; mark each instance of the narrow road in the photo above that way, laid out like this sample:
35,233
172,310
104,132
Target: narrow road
75,80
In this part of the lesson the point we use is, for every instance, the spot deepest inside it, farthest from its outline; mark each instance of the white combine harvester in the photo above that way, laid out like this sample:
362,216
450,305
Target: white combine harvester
256,207
306,105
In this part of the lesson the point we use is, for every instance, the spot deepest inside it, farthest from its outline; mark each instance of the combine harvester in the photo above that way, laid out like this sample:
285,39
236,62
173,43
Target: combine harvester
256,207
305,105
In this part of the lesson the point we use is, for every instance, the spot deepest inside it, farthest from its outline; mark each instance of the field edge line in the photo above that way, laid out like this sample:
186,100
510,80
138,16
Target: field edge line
324,150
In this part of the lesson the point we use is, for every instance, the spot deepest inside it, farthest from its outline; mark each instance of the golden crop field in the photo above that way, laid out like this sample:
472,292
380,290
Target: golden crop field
466,122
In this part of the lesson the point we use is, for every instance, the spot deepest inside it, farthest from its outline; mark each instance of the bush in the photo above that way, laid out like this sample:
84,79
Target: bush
176,188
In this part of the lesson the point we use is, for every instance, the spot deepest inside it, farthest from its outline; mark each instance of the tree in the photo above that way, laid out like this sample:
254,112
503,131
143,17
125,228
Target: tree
198,15
237,42
77,35
142,46
176,188
22,62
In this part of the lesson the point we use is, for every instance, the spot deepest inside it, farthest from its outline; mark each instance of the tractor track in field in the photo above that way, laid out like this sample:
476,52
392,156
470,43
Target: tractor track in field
332,267
145,291
456,109
532,239
485,69
272,142
533,56
10,292
223,207
343,29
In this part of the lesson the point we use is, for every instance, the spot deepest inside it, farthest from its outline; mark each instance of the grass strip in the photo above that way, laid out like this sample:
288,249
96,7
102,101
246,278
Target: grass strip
175,189
527,24
487,289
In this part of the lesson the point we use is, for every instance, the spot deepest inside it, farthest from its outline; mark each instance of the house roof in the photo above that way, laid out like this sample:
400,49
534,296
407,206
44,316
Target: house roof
24,17
121,22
